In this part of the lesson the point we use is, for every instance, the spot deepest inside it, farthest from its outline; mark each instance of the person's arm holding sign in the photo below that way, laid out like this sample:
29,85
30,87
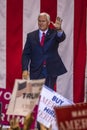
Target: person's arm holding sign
28,121
14,123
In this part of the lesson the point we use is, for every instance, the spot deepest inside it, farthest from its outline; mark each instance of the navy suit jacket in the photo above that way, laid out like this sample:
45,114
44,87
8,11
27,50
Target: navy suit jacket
34,54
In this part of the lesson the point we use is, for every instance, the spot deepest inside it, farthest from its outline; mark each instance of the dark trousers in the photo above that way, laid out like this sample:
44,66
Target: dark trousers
51,81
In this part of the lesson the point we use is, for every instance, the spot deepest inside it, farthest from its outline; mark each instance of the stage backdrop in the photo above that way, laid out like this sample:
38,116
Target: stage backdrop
17,18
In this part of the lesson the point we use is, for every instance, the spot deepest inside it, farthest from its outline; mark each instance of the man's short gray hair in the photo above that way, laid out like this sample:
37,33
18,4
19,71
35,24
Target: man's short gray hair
46,14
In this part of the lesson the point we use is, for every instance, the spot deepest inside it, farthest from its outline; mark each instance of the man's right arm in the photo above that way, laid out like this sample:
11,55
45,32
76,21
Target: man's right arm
25,59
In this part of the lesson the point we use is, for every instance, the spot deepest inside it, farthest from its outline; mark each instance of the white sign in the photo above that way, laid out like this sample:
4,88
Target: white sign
25,96
48,100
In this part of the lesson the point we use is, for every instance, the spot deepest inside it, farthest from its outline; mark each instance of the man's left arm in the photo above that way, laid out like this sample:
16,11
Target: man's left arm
61,36
60,33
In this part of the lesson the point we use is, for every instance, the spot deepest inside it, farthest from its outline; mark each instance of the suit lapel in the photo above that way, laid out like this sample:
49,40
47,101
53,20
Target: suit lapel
48,35
37,36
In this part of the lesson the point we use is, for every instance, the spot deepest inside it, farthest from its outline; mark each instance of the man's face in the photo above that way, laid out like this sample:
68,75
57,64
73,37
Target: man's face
43,23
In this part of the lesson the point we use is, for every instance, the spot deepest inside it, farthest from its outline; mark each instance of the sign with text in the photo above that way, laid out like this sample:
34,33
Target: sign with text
48,100
72,117
25,96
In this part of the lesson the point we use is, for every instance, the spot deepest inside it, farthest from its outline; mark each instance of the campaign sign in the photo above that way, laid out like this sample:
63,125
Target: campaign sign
48,100
24,97
72,117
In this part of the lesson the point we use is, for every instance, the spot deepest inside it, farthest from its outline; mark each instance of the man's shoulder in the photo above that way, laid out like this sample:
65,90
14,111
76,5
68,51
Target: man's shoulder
33,32
52,30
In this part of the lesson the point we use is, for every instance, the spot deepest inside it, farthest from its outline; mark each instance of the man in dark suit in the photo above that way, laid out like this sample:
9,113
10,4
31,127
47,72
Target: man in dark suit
43,61
40,57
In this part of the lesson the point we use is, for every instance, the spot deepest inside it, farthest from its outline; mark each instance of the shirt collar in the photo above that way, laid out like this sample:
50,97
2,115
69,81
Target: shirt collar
43,31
